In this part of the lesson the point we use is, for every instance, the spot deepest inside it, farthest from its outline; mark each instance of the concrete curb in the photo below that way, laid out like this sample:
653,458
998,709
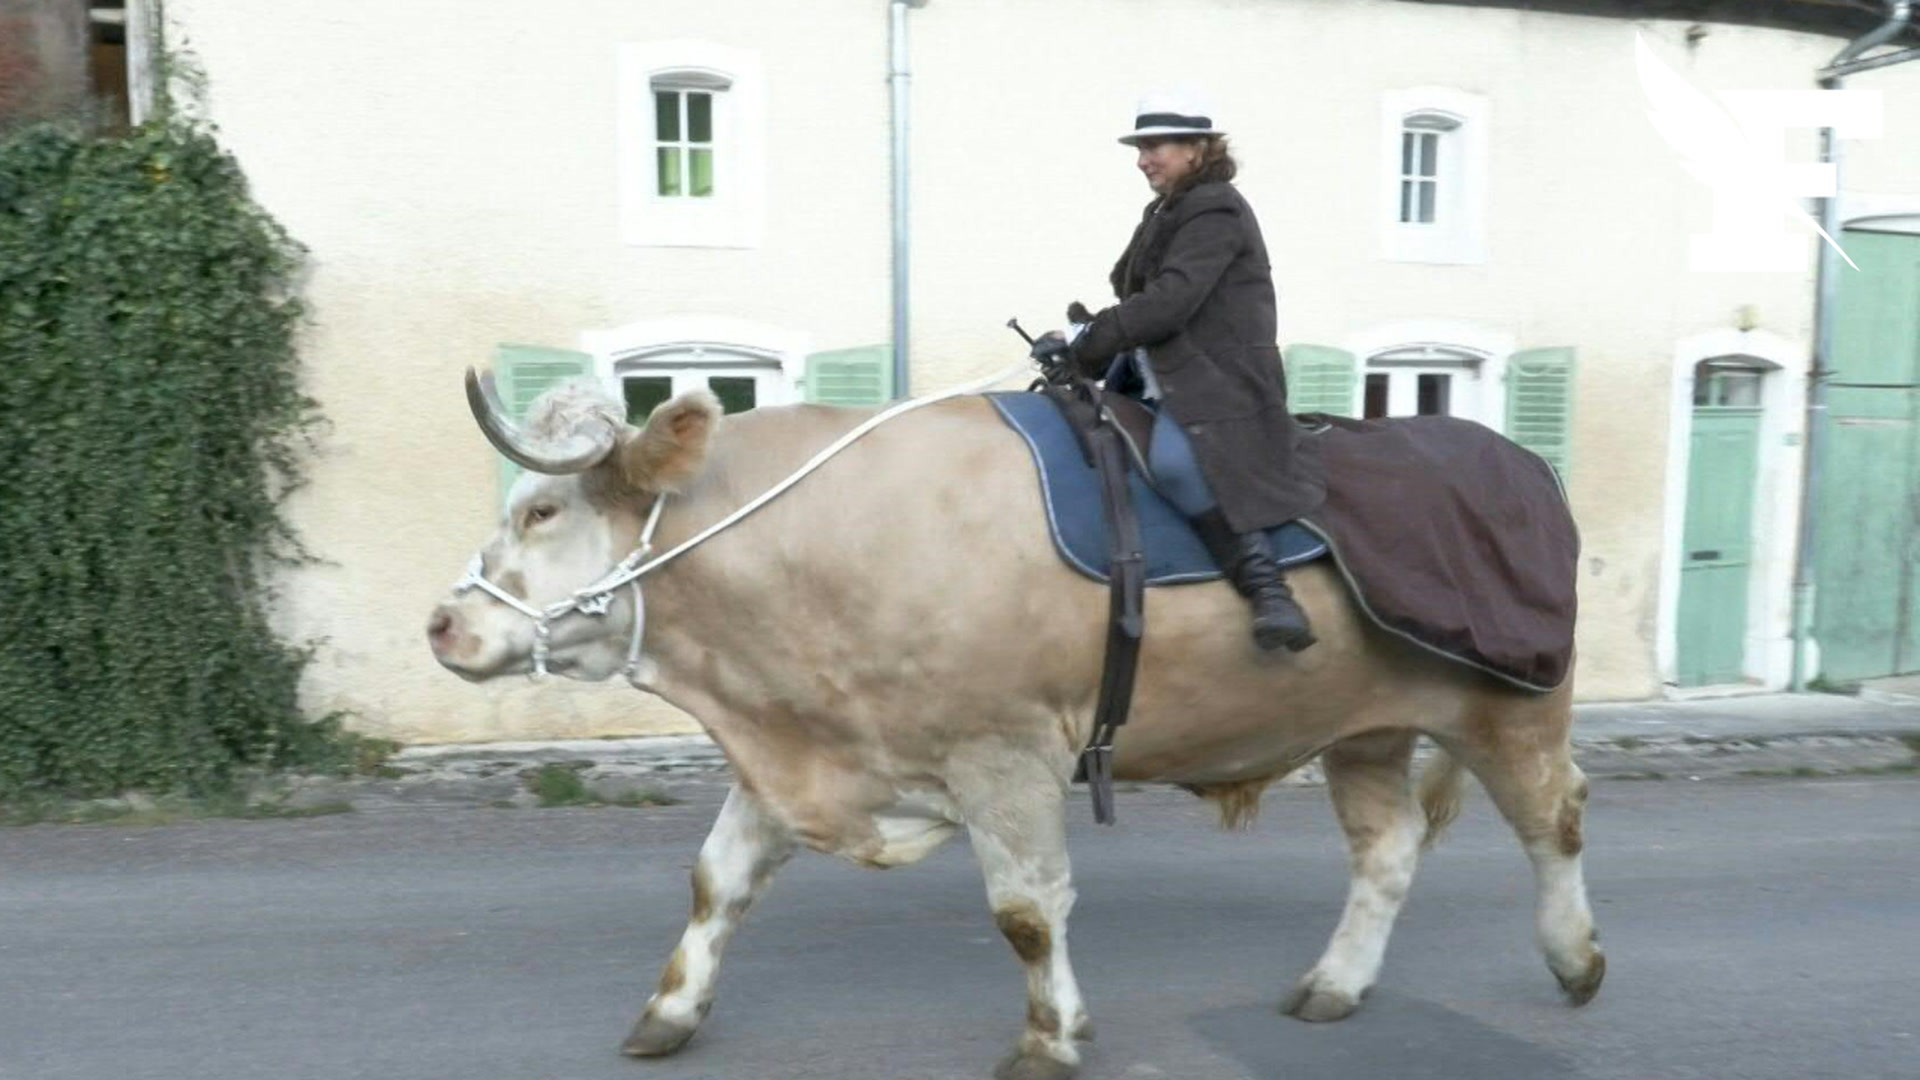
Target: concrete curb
1763,735
1599,755
1694,757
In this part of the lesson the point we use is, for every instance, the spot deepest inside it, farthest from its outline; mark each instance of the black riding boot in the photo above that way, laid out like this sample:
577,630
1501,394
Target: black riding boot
1249,563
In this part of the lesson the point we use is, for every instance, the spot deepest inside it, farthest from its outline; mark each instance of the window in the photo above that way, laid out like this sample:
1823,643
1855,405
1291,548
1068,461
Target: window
683,110
744,364
692,169
1434,143
1729,382
643,392
109,61
1423,380
1420,150
741,379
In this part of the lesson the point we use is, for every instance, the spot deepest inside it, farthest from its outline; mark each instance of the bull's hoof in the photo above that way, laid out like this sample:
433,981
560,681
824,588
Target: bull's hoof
1024,1066
1316,1004
1084,1031
1581,989
654,1037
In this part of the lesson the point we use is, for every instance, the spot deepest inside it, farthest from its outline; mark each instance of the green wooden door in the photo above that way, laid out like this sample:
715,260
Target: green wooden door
1718,542
1865,616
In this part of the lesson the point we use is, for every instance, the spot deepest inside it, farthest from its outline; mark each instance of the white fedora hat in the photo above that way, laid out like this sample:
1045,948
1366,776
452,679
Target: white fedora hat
1170,113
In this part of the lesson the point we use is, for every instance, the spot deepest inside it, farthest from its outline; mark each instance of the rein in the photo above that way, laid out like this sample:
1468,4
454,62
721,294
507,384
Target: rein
597,599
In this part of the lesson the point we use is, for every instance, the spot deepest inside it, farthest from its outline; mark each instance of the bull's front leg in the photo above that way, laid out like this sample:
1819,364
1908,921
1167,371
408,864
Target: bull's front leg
1020,839
742,852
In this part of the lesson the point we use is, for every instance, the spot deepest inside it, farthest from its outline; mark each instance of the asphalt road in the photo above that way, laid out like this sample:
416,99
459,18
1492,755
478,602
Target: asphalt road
1755,929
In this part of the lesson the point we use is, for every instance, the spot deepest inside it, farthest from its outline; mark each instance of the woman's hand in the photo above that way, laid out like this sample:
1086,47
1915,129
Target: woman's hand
1054,355
1050,347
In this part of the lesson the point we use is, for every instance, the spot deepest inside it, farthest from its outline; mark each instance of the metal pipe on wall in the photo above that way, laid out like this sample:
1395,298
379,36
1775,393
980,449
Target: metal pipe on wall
898,80
1826,278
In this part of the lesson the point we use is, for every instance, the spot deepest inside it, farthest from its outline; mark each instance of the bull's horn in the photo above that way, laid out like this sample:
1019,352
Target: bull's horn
577,453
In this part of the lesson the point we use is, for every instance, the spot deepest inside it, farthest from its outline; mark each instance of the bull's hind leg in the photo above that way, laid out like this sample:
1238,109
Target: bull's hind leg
742,852
1019,835
1524,760
1368,779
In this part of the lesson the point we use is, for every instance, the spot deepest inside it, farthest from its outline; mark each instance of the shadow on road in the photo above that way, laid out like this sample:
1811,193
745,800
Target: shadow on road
1398,1037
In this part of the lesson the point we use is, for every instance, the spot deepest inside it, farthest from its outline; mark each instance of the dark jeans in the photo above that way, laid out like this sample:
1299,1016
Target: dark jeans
1176,473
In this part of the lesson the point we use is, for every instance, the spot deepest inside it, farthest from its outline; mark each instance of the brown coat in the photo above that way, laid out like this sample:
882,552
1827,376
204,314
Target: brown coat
1196,289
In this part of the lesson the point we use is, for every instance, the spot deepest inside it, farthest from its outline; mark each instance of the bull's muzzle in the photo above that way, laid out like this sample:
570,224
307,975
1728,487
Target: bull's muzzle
441,633
454,643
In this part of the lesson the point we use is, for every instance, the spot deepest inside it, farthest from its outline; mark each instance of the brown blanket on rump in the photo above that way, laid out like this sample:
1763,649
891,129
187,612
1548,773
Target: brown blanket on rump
1455,537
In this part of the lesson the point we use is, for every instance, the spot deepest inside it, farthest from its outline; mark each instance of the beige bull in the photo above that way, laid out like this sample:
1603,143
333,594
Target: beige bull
892,651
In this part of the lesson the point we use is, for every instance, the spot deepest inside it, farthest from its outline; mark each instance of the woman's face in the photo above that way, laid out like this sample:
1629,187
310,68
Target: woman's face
1166,161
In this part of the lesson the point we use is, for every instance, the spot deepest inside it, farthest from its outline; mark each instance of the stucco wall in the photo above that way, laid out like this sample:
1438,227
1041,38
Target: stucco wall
452,168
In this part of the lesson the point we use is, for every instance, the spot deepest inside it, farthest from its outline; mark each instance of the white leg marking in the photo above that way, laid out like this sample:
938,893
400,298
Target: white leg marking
1021,844
1382,873
1373,795
1563,920
742,852
1544,798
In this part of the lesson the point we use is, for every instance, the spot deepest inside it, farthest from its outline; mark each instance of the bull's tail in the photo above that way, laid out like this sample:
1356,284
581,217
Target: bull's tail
1441,784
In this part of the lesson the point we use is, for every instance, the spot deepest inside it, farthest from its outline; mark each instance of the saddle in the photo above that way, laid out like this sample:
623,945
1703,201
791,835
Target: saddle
1056,435
1134,422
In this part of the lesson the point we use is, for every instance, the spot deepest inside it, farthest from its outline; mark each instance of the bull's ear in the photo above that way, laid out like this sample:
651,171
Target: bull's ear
666,454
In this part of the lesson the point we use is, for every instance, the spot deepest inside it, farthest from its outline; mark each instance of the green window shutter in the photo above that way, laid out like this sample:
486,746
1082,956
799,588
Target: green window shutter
1540,403
1320,379
522,373
861,376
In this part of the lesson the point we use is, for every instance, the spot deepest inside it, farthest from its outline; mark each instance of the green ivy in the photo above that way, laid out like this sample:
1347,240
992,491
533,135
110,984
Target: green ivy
151,422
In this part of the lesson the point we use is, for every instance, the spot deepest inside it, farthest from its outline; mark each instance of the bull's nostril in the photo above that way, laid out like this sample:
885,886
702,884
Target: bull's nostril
439,625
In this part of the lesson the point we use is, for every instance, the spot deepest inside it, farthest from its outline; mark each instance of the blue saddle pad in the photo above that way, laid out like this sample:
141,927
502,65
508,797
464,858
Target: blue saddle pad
1071,490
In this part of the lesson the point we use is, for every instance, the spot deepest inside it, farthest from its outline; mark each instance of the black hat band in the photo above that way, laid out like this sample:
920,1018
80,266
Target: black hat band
1161,119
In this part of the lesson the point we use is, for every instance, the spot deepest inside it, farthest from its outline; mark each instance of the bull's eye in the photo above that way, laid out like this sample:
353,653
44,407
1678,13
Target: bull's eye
540,512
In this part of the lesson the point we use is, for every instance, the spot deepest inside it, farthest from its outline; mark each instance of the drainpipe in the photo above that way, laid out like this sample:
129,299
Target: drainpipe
1826,279
897,80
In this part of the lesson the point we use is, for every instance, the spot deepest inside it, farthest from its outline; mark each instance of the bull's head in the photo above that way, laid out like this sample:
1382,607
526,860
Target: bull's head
590,481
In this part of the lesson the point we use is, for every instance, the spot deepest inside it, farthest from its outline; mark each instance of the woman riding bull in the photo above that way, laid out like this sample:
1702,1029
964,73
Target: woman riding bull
1194,332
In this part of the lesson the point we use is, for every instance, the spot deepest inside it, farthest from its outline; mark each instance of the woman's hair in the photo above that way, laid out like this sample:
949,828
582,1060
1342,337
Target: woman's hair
1216,163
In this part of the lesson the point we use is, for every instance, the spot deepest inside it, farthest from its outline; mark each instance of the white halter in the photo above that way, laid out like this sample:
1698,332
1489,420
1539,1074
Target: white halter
596,599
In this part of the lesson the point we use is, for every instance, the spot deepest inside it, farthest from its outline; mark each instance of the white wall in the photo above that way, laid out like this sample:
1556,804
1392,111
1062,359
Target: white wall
452,166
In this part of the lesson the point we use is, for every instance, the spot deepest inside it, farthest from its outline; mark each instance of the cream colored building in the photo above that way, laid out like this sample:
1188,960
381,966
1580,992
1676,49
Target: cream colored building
490,171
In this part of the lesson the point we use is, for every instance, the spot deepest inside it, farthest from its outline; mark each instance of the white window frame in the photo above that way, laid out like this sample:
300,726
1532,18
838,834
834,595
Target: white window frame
1430,346
1458,121
734,216
684,85
1403,367
692,349
140,16
1425,129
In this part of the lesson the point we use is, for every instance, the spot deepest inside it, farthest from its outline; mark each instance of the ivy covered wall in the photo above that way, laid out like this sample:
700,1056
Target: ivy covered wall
151,420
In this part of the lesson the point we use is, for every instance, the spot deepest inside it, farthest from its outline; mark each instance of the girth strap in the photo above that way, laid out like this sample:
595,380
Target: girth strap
1106,447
